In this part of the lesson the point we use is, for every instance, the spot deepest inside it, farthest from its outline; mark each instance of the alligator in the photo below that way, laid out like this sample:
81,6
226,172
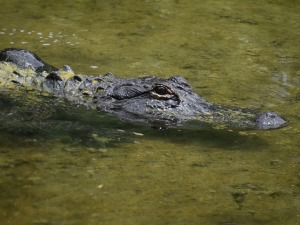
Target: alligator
161,102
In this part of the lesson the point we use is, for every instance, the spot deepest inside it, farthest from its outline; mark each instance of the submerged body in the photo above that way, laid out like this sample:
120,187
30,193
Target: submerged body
162,102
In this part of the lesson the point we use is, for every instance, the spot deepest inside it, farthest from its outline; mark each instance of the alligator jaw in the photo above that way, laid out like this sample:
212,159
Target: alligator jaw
222,117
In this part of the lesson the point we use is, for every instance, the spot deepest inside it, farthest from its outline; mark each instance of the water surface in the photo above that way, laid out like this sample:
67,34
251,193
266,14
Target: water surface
237,53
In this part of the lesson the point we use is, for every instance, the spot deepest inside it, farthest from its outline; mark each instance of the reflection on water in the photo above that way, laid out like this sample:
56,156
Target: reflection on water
91,169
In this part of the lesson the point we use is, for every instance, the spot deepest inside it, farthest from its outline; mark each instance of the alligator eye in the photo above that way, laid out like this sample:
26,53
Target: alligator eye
162,92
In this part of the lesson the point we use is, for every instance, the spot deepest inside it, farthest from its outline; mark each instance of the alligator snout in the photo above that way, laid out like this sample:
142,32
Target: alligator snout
269,120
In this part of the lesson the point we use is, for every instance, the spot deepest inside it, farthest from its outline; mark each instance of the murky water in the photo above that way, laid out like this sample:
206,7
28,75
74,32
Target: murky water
232,52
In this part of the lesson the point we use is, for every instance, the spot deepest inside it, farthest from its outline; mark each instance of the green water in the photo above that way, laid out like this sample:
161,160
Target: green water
240,53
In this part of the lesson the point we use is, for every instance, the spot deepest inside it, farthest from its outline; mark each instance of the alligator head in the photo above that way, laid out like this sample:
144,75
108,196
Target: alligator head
171,102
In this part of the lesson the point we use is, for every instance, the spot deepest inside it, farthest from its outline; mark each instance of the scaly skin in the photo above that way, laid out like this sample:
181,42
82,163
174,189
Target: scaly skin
162,102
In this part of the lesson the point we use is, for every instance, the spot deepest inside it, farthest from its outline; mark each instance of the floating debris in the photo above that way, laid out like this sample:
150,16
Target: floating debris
100,186
122,131
137,134
30,36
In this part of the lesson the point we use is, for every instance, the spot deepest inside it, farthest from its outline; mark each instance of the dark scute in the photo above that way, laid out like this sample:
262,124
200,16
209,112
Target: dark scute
53,76
16,73
77,78
24,59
